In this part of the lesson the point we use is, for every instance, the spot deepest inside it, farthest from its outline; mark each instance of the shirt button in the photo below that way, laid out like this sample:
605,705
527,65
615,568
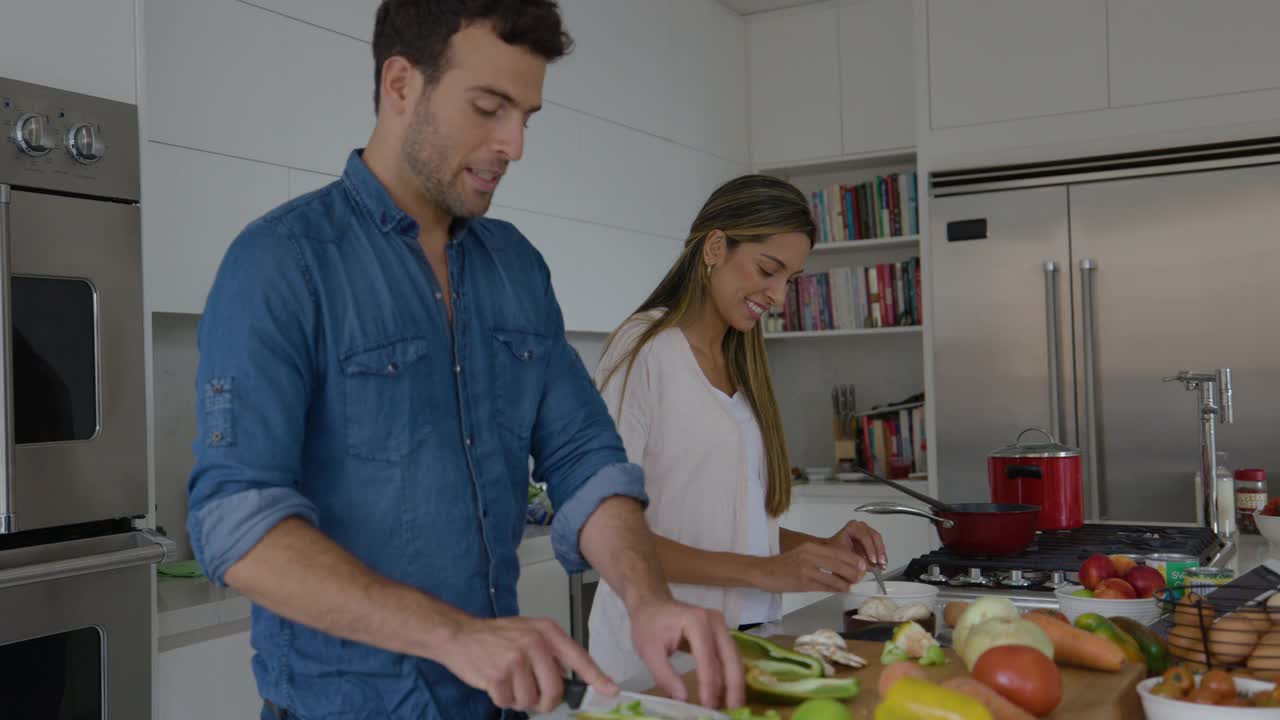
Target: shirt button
216,436
393,368
439,295
457,369
217,389
493,591
467,442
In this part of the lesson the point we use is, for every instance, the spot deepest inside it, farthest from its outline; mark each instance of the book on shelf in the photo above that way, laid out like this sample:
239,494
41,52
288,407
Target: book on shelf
885,206
849,298
891,441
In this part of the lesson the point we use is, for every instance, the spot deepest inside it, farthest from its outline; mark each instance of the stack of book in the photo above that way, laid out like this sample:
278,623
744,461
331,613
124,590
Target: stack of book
843,298
879,208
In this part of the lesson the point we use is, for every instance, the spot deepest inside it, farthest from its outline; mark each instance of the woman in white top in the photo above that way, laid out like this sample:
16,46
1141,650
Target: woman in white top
687,381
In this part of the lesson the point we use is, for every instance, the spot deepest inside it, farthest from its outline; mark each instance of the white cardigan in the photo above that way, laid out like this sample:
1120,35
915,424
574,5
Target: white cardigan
695,474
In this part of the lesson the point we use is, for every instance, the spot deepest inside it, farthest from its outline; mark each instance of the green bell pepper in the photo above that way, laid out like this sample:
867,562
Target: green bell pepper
768,688
774,659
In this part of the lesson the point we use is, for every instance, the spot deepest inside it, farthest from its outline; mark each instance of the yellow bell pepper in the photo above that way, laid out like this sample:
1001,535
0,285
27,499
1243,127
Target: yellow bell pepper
914,699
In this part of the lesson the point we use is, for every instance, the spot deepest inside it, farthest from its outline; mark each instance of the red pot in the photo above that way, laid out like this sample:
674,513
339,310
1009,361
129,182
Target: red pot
1046,474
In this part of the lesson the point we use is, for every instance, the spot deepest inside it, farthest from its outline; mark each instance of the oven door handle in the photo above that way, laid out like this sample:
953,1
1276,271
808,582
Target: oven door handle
152,549
8,523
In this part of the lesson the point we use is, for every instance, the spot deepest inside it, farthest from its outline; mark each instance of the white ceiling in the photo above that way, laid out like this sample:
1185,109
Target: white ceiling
746,7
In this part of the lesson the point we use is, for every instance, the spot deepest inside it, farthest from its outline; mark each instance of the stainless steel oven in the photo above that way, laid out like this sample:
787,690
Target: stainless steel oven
75,576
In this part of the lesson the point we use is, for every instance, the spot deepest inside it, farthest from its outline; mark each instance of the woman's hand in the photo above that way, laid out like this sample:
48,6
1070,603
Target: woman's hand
862,540
811,567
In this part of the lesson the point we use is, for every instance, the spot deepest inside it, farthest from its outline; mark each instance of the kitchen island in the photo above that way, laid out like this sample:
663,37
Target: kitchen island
1251,551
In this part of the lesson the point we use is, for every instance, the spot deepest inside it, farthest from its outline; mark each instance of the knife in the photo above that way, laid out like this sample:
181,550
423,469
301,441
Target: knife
581,696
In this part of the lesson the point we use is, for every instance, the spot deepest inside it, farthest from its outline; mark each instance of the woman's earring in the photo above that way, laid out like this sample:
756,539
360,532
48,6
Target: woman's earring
708,270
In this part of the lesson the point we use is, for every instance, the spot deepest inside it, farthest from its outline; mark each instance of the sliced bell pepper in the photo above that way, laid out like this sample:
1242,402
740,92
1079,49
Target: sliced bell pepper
774,659
767,688
915,699
1102,627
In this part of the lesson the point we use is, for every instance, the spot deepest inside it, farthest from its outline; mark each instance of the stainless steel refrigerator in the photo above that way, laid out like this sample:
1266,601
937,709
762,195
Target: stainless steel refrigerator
1164,263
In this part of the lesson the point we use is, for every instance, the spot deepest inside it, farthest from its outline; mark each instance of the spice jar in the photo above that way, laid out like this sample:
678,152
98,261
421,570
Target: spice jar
1251,494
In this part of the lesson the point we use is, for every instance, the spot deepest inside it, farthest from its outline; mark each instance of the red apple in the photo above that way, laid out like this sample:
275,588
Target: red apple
1123,564
1146,581
1096,569
1115,589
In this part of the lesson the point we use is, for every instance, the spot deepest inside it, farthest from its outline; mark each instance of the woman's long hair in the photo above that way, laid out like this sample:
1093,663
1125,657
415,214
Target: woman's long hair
748,209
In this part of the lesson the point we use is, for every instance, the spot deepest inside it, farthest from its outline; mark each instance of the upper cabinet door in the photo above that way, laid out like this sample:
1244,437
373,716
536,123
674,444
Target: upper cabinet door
794,70
992,60
877,76
94,52
1176,49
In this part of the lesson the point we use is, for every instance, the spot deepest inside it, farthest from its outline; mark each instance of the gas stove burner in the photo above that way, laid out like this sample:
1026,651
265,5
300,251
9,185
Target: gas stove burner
1056,580
934,576
975,578
1018,579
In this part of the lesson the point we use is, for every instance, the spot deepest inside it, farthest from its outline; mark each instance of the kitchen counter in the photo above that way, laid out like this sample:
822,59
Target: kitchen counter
853,492
192,610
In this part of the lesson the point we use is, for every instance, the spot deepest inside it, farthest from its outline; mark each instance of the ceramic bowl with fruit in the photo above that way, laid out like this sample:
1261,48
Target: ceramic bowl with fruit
1179,695
1111,586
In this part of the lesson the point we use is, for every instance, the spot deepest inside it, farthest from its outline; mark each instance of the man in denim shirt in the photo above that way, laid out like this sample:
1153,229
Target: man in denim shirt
378,363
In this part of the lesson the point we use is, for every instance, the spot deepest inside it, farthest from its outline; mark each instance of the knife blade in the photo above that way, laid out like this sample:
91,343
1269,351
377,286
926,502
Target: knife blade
581,697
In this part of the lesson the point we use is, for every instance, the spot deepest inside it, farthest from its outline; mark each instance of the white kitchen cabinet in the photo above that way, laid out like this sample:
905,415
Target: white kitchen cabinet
905,537
994,60
196,203
543,592
1164,50
210,680
349,17
793,65
877,76
236,79
84,47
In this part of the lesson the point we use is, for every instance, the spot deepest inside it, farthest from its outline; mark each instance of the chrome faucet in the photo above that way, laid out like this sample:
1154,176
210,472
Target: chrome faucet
1215,405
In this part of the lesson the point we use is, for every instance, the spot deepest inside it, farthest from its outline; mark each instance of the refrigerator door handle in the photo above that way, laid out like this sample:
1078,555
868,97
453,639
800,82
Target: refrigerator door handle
1093,455
1051,325
8,480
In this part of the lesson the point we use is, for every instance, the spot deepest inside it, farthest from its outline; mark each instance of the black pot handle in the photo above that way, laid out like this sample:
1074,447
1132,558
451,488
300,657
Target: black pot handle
1013,472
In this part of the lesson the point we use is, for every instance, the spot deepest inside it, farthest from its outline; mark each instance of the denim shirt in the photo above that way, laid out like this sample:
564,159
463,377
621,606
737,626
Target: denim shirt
332,387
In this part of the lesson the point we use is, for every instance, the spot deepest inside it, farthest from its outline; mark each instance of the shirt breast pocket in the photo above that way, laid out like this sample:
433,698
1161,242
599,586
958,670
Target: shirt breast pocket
521,370
387,392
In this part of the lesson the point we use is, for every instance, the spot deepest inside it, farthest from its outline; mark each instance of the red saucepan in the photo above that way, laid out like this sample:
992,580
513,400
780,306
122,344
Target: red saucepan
968,528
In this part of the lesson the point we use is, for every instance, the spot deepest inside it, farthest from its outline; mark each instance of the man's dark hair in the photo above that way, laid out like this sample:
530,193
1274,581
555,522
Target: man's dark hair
420,30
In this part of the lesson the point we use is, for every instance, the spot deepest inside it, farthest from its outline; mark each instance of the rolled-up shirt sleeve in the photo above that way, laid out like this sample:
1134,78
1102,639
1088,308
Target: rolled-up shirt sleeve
576,448
257,344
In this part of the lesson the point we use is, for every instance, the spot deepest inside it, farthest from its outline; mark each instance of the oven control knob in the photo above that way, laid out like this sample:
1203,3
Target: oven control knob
84,143
32,135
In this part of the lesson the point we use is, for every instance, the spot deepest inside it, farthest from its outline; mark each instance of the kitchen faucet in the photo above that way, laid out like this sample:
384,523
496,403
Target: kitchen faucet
1213,386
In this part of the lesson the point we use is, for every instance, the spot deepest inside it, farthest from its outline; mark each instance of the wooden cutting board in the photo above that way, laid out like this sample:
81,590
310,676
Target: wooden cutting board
1086,695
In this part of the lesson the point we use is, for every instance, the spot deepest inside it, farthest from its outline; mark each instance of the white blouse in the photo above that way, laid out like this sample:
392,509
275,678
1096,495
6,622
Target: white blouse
694,456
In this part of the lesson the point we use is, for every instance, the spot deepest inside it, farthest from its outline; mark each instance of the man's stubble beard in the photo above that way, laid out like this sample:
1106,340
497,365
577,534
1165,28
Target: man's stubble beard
426,155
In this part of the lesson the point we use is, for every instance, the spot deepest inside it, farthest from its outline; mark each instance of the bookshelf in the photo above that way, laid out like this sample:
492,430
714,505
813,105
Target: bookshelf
804,334
885,364
873,244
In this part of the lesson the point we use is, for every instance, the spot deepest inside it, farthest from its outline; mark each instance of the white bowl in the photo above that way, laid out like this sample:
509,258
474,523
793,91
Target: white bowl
1145,610
1158,707
901,592
1269,526
818,474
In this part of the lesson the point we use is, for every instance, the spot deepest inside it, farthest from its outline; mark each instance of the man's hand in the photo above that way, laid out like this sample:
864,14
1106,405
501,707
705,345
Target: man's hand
519,661
812,567
662,627
862,540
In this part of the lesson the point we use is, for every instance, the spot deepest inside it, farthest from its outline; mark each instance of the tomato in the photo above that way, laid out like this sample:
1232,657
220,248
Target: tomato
1022,674
1180,677
1219,682
1167,689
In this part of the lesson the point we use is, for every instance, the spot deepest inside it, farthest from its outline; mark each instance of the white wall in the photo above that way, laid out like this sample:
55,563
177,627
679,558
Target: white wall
84,47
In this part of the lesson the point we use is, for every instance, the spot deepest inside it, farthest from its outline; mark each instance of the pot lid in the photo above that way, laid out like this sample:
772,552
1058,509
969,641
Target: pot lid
1047,448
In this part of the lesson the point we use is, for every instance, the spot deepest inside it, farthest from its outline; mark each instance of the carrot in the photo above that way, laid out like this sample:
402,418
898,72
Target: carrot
1000,706
1073,646
952,612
